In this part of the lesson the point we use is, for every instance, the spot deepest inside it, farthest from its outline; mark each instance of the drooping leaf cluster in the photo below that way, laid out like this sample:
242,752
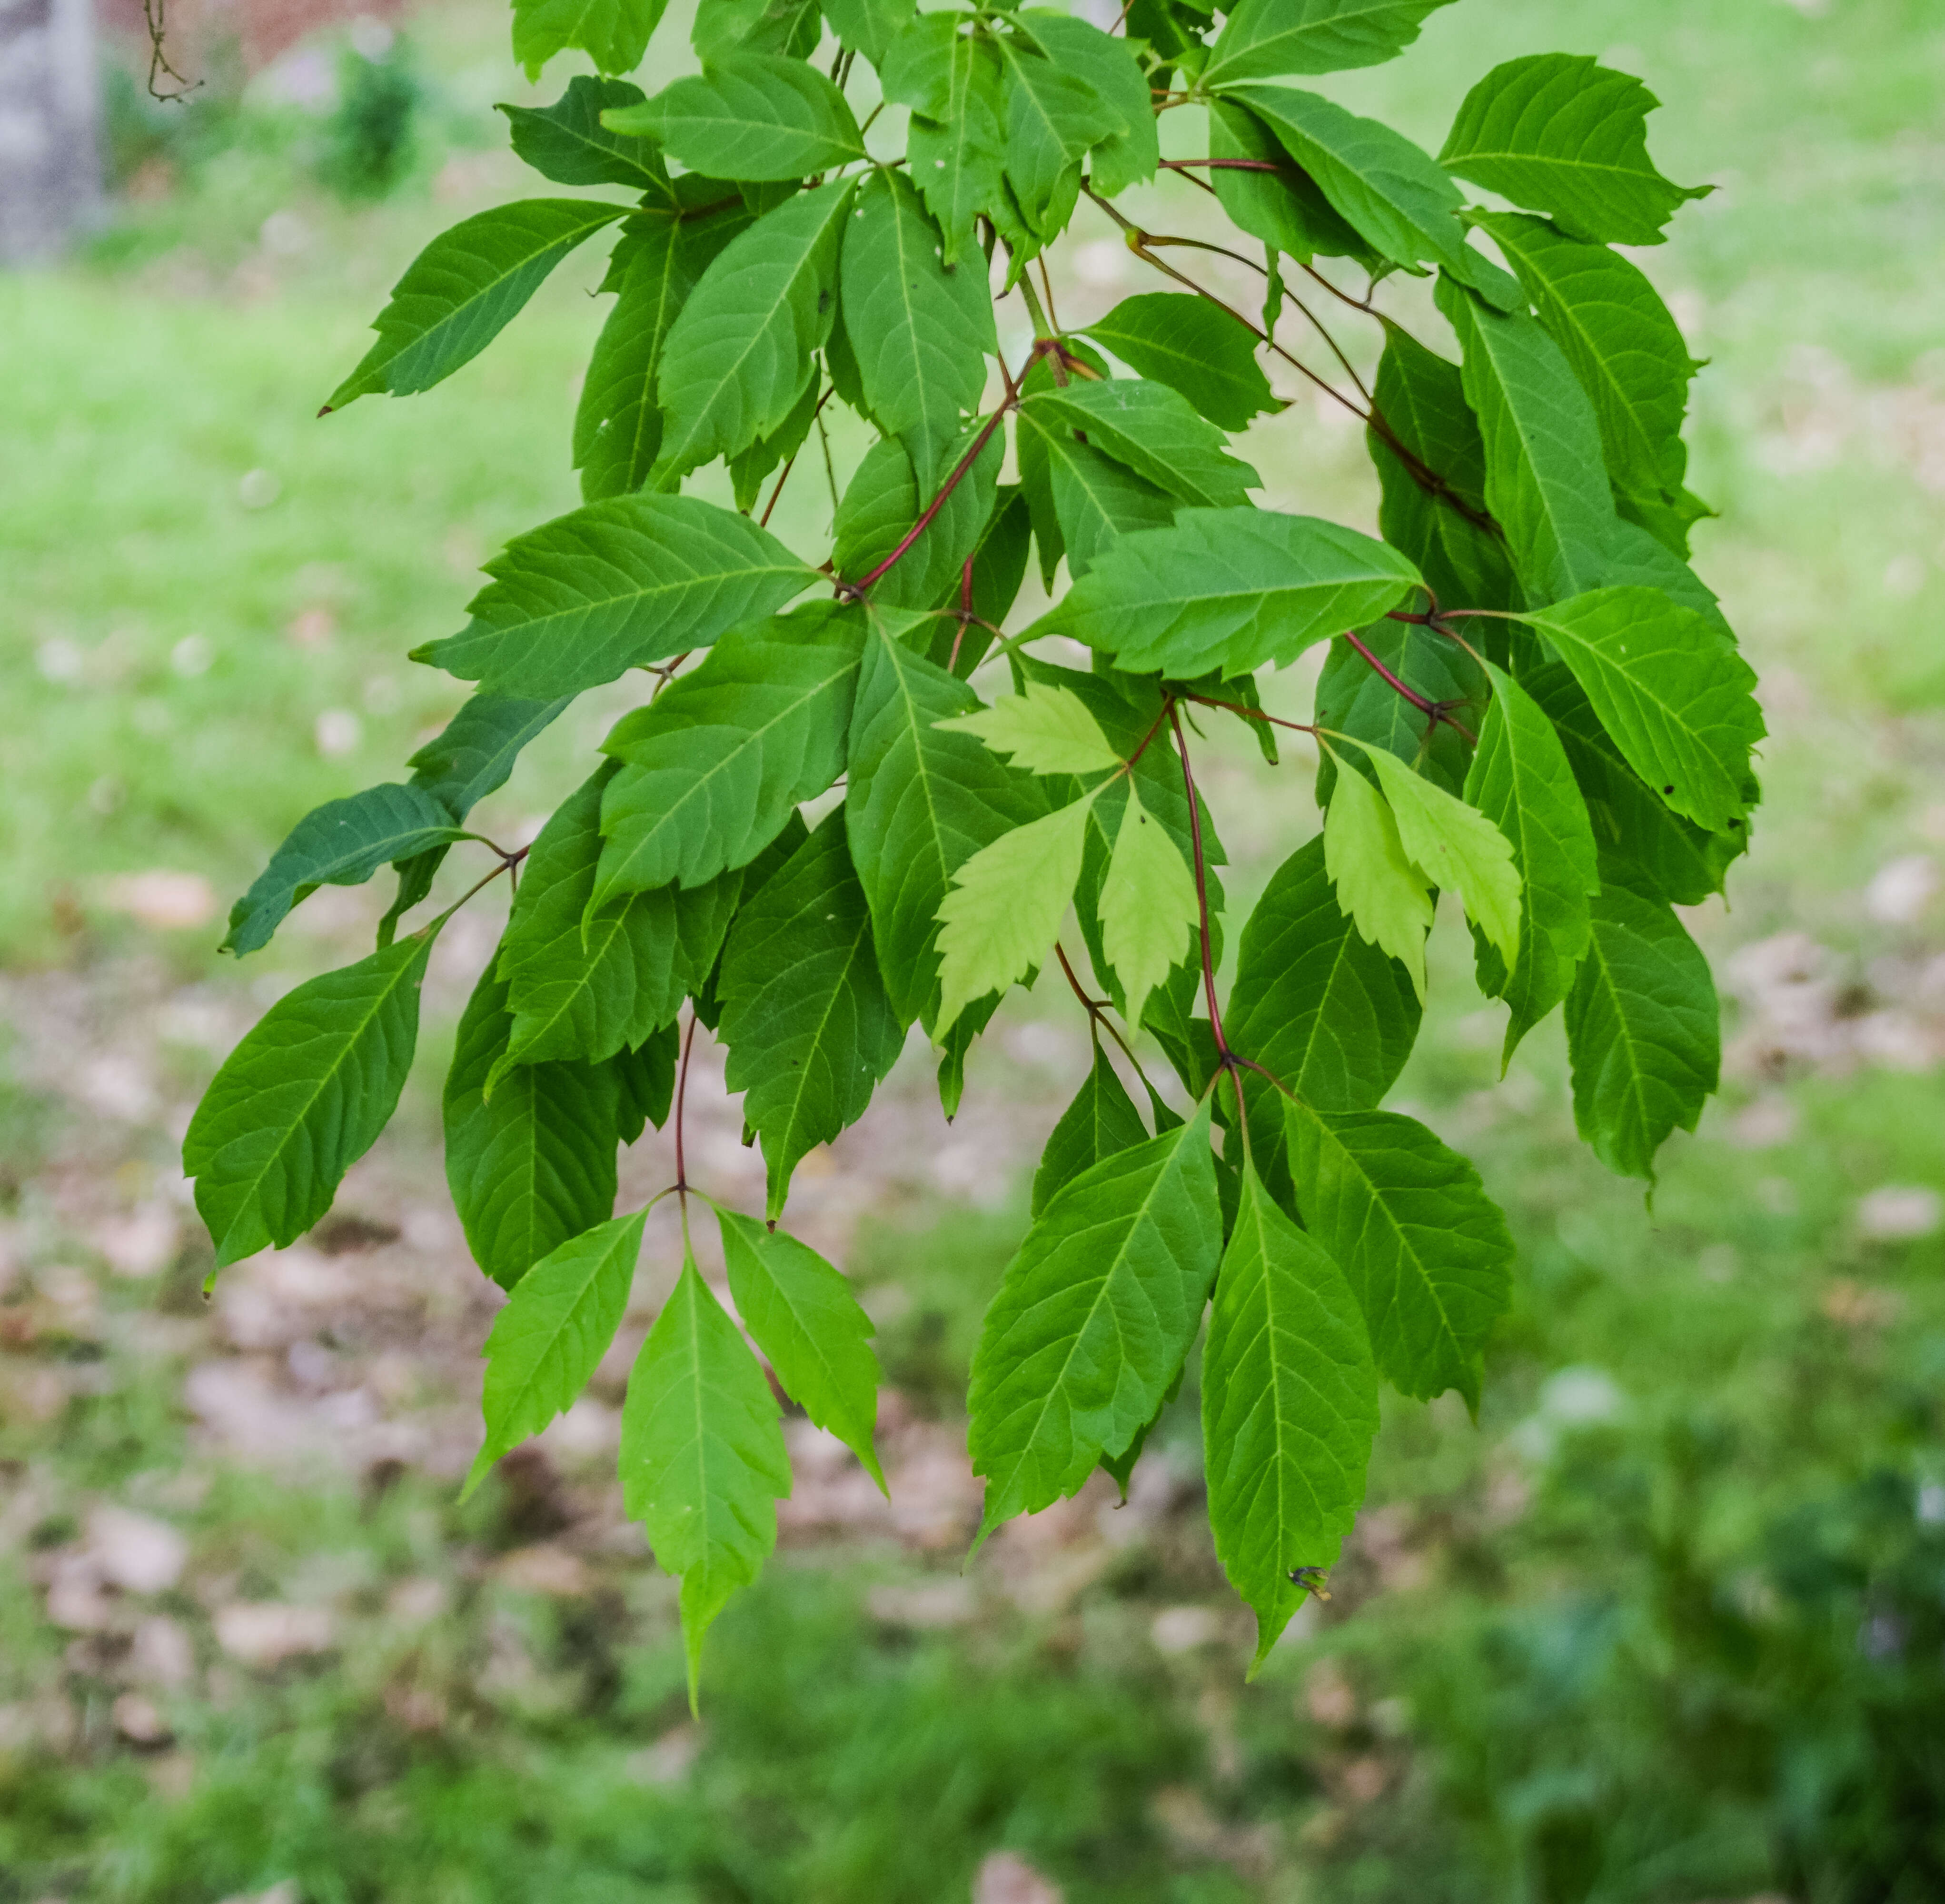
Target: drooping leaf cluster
1529,703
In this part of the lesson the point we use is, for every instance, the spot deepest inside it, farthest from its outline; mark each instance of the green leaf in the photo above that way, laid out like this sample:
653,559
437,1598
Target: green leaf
534,1164
1546,483
302,1098
801,1312
921,800
1053,116
920,332
703,1462
1353,699
567,142
1378,887
463,290
588,985
1229,588
1005,908
1627,352
616,584
1147,907
1093,1319
714,765
999,562
1155,432
1206,352
883,501
1424,1248
749,116
1435,512
1263,39
1100,1122
1094,500
1389,191
749,468
1108,65
1631,822
956,144
1314,999
615,34
1643,1030
1290,1409
1457,848
1561,133
739,351
343,843
1283,208
549,1339
1671,689
723,27
1522,782
1044,730
810,1031
645,1082
869,26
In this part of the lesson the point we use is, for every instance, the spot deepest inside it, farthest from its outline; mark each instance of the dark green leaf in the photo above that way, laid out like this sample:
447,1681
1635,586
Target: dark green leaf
1193,346
615,585
713,766
1229,588
615,34
567,142
343,843
1353,698
645,1082
463,289
1427,1251
302,1098
739,352
1263,39
750,115
801,1312
534,1164
1100,1121
810,1031
1558,133
882,502
999,565
1092,1322
1521,781
1290,1409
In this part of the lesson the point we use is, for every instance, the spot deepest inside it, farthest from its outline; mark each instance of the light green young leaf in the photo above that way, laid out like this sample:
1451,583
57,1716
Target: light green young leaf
1229,589
343,843
615,34
739,350
755,116
1093,1319
801,1312
1100,1123
1149,915
1378,887
549,1339
1194,347
1005,908
1521,780
920,332
1457,847
615,585
1290,1409
1263,39
1155,432
1561,133
1670,687
921,800
810,1028
714,765
302,1098
1427,1250
703,1462
464,288
1045,730
1643,1029
534,1164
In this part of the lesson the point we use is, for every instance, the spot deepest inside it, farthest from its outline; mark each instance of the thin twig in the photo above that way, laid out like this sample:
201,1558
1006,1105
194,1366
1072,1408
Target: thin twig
1223,164
1251,713
1097,1014
1201,887
681,1099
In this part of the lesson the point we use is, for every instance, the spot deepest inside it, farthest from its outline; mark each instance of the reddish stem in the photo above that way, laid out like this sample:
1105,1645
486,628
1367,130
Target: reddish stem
855,589
1223,1051
1251,713
1384,673
1223,164
681,1100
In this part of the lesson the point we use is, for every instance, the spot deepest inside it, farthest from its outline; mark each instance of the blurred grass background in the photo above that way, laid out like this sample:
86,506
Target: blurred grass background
1667,1626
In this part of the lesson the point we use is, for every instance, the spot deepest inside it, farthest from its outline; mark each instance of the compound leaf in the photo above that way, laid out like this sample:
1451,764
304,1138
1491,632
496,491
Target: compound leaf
1290,1409
881,502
